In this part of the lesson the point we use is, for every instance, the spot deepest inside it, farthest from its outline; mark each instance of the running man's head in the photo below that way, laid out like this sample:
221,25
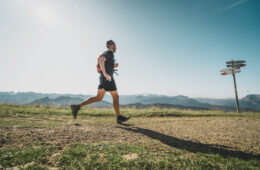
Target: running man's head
111,45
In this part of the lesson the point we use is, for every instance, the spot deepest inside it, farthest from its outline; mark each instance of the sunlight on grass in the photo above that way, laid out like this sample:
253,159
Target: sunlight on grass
46,111
33,137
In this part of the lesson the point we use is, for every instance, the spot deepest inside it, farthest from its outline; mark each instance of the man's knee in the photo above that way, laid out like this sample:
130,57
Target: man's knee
116,97
99,98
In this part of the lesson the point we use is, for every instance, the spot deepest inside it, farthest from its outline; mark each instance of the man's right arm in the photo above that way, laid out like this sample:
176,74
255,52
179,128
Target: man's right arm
103,69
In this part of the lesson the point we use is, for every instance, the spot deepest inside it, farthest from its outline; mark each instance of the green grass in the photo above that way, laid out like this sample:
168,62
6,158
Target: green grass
17,123
18,111
113,155
22,156
150,154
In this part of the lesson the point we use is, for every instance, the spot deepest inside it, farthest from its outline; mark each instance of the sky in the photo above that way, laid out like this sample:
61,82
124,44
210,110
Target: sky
168,47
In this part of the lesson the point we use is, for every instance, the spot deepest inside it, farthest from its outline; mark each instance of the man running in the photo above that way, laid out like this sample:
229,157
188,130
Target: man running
106,83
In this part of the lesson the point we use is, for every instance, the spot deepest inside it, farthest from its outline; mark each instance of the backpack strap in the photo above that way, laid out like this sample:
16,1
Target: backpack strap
115,71
98,65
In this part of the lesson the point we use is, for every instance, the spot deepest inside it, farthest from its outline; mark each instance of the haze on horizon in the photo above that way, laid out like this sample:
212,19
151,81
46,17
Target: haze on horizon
170,47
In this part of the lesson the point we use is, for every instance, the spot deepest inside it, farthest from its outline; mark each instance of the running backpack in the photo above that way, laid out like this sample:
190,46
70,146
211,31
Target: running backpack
99,68
98,65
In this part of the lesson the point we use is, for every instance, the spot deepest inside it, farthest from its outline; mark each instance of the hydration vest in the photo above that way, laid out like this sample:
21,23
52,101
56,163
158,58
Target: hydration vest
98,65
99,68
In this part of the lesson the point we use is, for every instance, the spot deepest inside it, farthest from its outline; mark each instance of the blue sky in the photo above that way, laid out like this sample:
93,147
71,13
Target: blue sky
174,47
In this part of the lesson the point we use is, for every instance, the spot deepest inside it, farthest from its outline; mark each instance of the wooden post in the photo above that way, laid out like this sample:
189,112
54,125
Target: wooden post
235,65
235,85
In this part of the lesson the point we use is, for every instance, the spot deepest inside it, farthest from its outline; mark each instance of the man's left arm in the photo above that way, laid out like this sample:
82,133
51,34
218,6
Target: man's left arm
116,65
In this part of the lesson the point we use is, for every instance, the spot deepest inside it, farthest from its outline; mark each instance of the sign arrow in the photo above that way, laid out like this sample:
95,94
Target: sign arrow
226,70
225,73
236,65
238,62
229,71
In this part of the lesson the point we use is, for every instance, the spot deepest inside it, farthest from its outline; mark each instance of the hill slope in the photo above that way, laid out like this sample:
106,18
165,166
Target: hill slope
250,102
66,101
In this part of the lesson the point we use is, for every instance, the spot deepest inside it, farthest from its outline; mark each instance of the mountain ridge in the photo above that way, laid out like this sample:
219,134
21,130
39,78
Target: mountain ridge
249,102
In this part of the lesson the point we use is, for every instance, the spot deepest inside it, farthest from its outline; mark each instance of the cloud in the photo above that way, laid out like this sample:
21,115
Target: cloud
234,5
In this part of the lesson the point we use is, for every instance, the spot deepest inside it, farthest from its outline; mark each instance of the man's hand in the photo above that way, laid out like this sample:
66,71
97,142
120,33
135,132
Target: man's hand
116,65
108,77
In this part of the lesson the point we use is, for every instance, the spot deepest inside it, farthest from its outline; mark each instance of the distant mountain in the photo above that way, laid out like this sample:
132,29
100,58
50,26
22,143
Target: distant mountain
152,99
252,98
64,101
220,102
161,105
59,101
250,102
19,98
27,97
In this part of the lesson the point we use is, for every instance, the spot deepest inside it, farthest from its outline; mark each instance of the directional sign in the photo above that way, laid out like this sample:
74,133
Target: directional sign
226,70
242,65
238,61
225,73
236,65
229,71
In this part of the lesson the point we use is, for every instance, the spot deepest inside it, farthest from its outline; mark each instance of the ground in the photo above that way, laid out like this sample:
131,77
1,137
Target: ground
34,137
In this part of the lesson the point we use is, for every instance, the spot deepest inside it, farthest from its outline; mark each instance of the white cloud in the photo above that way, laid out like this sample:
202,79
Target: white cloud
234,5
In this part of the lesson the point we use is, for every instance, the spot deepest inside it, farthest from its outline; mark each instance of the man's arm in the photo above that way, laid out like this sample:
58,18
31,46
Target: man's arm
116,65
103,69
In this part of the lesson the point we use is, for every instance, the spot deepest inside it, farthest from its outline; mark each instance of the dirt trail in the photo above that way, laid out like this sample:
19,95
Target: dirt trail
230,133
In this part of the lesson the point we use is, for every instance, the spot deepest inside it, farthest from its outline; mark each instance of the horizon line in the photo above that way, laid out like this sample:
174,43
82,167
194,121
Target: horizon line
123,94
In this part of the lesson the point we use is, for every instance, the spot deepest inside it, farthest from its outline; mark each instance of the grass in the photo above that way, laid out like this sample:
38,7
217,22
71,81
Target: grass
47,111
114,156
22,156
34,137
111,155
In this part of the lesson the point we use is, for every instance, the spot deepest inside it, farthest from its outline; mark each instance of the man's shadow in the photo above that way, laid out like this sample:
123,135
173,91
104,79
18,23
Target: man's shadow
189,145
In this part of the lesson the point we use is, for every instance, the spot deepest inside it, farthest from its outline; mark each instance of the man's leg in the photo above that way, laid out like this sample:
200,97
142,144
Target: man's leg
97,98
115,96
120,119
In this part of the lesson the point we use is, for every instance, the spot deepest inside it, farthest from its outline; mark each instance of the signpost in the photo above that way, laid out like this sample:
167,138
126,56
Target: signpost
234,67
230,71
238,65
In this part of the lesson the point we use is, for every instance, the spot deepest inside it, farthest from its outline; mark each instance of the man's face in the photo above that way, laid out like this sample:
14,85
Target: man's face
113,48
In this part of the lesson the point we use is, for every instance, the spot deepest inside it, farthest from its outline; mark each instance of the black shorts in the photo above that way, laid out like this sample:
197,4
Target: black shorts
105,84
